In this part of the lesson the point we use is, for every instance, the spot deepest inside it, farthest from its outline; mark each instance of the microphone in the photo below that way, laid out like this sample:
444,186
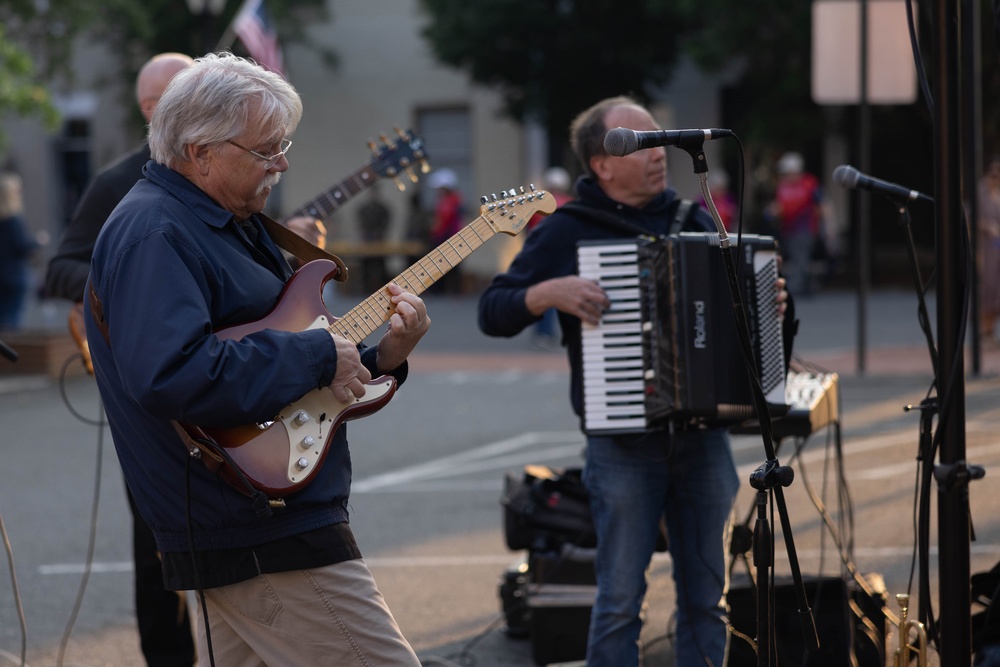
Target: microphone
847,176
622,141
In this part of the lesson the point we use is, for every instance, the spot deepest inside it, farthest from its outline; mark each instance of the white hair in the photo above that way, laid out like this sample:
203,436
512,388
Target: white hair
215,99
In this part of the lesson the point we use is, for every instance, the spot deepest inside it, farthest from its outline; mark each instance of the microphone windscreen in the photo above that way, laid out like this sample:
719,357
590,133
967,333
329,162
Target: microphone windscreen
846,176
620,141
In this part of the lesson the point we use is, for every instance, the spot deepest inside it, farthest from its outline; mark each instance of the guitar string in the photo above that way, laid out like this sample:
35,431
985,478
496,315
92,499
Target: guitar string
360,318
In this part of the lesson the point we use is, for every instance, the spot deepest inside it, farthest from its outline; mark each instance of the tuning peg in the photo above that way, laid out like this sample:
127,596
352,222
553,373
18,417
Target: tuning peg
425,166
373,147
405,136
399,184
409,172
386,141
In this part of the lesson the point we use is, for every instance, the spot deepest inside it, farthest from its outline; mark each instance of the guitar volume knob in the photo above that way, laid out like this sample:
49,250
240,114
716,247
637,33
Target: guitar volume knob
301,417
308,441
302,463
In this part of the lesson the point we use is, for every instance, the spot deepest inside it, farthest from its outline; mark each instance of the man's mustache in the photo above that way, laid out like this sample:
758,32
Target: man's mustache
269,181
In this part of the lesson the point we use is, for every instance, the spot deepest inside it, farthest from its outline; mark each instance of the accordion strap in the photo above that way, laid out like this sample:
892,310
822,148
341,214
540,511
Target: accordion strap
684,209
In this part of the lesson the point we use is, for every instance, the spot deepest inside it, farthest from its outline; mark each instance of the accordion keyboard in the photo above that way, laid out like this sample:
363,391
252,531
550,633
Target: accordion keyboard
612,350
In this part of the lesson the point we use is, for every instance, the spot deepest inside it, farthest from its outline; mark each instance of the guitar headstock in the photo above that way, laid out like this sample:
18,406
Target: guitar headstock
399,156
511,212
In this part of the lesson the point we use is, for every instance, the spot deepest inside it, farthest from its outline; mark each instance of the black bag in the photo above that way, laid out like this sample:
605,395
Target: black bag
546,507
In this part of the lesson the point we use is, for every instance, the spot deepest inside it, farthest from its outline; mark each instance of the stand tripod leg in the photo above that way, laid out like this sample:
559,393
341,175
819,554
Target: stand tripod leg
763,559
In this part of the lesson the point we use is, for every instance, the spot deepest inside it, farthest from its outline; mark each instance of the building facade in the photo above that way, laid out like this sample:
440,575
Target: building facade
386,77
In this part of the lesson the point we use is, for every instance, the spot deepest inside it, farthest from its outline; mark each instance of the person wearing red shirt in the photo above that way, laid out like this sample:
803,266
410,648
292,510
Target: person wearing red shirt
797,208
448,220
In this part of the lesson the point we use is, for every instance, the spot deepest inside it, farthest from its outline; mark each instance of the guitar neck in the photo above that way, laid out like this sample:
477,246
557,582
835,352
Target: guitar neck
362,320
330,200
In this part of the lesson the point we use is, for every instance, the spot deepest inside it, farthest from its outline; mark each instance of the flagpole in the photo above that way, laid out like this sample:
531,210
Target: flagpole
229,36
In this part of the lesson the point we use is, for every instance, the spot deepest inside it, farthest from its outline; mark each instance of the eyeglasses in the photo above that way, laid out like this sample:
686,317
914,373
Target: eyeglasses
271,161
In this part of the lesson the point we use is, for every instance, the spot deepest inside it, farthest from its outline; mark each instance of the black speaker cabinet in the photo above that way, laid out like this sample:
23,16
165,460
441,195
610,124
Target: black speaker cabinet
547,598
848,623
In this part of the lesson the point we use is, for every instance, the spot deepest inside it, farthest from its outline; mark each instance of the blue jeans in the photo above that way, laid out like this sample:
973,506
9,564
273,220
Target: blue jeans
690,480
548,324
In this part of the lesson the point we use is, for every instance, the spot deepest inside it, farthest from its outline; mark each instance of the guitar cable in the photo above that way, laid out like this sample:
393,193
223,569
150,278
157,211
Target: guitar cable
16,591
258,499
194,561
92,536
99,423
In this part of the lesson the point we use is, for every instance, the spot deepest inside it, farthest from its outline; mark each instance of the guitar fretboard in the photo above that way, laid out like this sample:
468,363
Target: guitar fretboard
330,200
362,320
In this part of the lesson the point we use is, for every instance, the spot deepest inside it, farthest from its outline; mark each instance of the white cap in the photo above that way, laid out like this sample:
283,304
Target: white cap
443,178
790,163
555,178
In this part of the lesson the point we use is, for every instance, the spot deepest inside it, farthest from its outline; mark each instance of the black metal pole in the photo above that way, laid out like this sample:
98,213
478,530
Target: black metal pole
864,214
954,531
972,117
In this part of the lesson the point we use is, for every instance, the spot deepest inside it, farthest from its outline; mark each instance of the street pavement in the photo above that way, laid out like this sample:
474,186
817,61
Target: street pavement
428,473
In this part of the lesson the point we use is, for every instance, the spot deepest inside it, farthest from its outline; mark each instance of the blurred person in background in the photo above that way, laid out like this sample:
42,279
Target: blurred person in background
17,245
373,220
555,180
798,211
989,251
448,220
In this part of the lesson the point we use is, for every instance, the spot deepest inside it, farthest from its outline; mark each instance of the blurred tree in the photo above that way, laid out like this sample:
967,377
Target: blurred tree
21,92
142,28
553,58
767,43
133,29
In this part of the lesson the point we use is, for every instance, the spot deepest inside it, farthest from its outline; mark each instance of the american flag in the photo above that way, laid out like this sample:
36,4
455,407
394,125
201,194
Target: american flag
253,26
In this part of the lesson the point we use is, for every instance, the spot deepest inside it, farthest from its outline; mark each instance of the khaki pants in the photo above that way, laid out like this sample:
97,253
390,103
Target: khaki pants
333,615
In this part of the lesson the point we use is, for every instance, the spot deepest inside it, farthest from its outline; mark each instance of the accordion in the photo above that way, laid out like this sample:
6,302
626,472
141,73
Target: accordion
668,349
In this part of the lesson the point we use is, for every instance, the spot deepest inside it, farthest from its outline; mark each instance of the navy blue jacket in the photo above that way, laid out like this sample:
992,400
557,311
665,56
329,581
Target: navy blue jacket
170,267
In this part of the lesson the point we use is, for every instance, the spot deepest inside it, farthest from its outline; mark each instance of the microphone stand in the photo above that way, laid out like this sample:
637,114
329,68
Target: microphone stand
925,452
770,476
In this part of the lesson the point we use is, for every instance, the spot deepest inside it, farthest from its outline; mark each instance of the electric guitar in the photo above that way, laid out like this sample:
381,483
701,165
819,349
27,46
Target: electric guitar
389,159
282,455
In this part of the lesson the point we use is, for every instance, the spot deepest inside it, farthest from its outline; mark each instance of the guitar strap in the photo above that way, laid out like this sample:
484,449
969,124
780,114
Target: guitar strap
298,246
684,210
